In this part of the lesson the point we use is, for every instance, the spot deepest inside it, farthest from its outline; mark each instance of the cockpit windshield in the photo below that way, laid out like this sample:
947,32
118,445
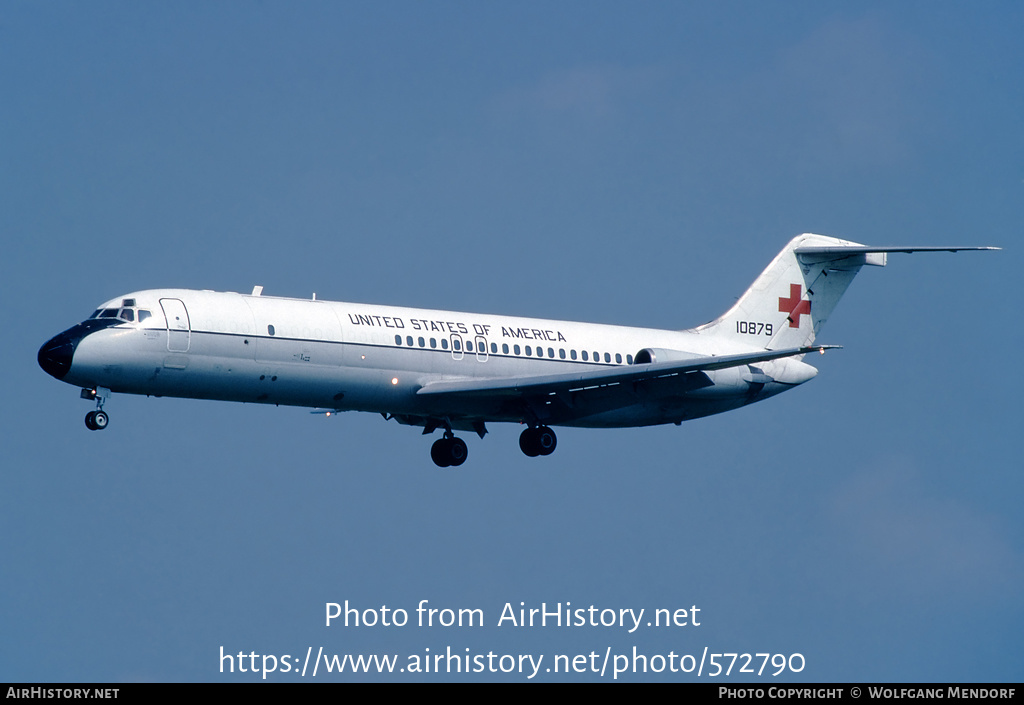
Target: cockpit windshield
128,311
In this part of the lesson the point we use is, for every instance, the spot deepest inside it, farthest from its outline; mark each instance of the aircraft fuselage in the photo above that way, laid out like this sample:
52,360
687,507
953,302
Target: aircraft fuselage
457,371
346,356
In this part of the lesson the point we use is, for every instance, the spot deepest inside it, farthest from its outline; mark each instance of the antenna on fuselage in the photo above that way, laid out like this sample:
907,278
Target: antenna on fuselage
257,291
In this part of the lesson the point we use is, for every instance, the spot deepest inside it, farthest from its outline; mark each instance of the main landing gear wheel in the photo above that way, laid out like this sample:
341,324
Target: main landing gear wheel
538,441
449,452
96,420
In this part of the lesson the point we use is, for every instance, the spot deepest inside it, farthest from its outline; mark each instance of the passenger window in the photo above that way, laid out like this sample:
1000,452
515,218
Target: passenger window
422,342
398,340
444,343
528,352
572,354
504,348
469,345
618,358
515,349
540,352
585,356
607,357
551,352
433,342
457,344
561,353
270,329
629,359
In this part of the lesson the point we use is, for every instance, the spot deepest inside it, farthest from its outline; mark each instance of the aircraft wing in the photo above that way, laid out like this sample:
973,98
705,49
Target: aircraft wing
602,378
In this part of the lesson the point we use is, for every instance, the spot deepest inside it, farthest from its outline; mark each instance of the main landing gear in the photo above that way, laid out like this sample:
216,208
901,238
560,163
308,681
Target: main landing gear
538,440
96,420
449,451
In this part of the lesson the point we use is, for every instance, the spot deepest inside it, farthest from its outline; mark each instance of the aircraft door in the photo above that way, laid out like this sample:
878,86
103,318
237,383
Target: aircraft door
179,331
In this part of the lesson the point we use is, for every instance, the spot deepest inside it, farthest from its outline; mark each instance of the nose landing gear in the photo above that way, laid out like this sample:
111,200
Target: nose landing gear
97,420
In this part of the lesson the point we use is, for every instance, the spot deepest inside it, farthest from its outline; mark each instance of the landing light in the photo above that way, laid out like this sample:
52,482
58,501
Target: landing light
394,380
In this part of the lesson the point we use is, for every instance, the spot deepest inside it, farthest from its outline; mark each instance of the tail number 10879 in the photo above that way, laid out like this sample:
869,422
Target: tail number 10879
753,328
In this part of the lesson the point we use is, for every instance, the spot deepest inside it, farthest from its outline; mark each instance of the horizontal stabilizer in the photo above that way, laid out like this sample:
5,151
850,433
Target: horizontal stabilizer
809,255
861,249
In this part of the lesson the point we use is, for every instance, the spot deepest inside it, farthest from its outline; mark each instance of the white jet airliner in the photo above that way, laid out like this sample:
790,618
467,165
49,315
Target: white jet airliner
457,371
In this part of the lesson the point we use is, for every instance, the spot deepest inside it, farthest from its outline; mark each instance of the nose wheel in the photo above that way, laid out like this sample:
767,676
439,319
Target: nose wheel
97,420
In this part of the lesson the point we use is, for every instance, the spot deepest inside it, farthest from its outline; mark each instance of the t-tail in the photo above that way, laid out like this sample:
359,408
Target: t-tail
788,304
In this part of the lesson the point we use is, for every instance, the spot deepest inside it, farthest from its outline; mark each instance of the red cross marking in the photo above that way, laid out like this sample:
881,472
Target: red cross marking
794,305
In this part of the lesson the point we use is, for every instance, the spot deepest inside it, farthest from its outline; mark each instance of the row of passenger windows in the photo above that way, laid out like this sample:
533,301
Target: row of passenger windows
528,350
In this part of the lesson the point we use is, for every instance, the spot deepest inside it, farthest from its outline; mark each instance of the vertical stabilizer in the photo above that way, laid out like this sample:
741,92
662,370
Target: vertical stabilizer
788,304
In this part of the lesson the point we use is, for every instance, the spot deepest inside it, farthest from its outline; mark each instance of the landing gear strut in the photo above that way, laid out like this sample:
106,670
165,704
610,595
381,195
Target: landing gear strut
539,440
449,451
96,420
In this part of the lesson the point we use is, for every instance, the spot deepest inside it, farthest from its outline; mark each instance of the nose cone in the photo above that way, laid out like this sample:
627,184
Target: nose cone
56,354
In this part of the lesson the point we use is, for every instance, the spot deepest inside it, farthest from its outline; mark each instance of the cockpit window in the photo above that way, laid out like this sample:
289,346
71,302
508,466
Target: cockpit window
125,313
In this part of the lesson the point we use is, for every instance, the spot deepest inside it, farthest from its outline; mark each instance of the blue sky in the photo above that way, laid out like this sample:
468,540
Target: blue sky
593,161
